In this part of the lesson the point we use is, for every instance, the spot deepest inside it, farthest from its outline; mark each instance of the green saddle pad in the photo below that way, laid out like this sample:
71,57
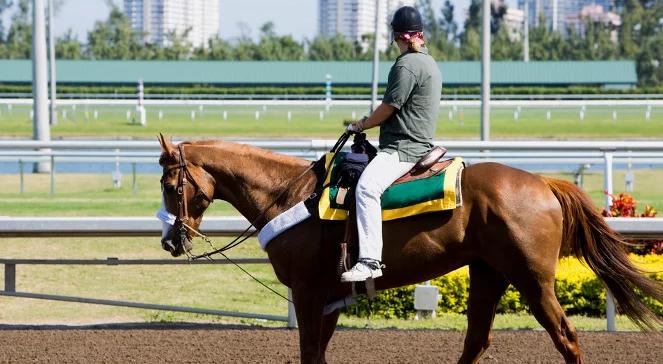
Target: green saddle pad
441,191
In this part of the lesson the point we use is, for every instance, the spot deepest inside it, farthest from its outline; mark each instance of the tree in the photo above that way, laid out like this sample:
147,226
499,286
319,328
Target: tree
113,38
178,47
497,13
4,5
503,49
274,47
438,41
473,20
650,62
19,37
470,49
648,34
597,43
447,22
336,48
217,49
68,47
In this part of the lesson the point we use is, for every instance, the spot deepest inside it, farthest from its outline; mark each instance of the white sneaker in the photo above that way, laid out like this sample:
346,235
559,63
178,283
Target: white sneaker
363,270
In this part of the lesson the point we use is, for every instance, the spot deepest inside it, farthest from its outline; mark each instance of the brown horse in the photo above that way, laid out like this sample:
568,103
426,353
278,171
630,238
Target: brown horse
509,230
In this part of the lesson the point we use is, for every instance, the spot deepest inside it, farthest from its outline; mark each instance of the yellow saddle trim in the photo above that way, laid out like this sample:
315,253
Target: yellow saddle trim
451,200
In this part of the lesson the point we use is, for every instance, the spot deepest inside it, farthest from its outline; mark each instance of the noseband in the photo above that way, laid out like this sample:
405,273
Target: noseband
183,178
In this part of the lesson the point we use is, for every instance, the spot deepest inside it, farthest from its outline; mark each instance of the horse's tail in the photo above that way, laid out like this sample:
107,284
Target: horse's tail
604,251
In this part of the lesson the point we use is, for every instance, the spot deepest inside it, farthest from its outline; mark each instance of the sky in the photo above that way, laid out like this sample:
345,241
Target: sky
296,17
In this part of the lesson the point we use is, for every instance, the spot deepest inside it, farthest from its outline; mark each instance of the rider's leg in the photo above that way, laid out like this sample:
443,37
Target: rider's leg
383,170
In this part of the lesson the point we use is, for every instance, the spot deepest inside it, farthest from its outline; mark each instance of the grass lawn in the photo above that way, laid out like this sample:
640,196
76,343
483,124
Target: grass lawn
461,123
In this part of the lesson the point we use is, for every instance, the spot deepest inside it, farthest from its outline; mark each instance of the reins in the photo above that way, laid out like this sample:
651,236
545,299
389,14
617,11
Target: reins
337,147
182,215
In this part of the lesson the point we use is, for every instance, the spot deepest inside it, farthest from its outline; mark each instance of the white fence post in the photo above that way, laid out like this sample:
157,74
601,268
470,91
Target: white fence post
609,299
292,315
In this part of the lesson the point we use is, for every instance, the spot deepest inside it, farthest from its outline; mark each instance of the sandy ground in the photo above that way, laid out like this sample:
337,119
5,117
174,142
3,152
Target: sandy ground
156,343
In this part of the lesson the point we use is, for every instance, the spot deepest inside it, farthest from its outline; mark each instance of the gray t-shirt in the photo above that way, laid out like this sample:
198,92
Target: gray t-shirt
414,89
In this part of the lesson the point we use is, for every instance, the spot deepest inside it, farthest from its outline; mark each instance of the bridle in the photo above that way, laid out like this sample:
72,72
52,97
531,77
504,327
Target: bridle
184,177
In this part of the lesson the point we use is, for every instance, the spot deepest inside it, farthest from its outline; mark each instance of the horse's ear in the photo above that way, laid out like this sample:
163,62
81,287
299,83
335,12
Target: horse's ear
167,148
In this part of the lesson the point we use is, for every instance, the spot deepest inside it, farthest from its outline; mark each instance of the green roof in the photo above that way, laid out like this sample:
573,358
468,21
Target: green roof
314,72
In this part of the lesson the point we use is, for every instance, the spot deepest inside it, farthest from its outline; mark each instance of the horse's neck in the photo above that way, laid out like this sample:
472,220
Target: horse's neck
251,179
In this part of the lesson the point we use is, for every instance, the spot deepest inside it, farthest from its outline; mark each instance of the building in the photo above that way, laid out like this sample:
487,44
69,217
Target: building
513,22
595,14
558,13
355,19
158,19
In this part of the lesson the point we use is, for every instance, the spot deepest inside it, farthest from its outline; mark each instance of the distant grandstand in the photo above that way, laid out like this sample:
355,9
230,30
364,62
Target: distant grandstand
604,74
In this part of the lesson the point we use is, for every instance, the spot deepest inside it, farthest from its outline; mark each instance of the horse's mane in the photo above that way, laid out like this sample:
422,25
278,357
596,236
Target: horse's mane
241,149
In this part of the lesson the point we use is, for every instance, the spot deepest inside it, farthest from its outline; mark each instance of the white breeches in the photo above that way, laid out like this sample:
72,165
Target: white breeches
383,170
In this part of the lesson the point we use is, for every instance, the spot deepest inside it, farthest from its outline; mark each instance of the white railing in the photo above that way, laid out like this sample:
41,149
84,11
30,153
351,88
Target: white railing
321,102
640,228
322,145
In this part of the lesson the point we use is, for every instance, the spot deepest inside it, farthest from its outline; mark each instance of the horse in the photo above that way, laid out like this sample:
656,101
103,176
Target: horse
511,229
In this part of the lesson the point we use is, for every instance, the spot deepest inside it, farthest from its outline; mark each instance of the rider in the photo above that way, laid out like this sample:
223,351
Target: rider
407,118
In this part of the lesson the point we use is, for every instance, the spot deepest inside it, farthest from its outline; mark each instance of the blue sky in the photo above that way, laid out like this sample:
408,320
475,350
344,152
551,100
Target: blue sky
296,17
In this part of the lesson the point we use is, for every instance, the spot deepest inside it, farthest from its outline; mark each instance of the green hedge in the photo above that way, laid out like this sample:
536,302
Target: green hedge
578,290
317,90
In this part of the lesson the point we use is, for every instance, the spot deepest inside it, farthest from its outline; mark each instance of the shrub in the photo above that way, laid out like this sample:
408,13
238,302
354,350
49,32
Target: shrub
578,290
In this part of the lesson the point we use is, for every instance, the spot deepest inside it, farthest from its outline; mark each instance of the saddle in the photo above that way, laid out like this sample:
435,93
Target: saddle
355,163
427,166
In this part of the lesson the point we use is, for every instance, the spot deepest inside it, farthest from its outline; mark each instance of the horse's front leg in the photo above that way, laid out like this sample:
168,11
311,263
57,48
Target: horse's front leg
309,302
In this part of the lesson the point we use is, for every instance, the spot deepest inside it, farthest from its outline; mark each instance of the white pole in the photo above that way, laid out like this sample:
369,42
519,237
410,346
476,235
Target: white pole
485,72
142,116
607,186
292,315
41,130
328,90
376,58
51,47
554,15
526,33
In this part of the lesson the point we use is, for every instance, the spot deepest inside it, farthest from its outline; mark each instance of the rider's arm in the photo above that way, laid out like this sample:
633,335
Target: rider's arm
382,113
399,87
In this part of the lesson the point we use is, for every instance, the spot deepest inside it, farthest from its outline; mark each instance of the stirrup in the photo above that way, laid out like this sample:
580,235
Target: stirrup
374,264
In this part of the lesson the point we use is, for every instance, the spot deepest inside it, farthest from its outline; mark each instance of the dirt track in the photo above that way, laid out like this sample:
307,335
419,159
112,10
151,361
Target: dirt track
223,344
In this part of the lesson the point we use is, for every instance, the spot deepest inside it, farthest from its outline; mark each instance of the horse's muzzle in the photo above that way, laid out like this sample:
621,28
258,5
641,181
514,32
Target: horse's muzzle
176,248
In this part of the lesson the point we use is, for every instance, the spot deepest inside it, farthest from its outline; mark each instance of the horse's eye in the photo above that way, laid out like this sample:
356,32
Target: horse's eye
168,187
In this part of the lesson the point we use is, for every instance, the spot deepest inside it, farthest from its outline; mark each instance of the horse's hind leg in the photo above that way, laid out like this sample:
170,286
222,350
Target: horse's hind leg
486,288
545,307
532,272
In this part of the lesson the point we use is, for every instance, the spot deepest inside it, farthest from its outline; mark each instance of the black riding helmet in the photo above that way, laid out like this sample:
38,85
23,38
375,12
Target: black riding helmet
407,19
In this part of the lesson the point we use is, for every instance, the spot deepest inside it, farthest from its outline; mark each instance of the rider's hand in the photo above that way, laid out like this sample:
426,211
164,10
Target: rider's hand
357,126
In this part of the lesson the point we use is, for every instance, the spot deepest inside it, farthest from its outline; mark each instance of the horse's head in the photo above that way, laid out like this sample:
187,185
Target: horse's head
187,192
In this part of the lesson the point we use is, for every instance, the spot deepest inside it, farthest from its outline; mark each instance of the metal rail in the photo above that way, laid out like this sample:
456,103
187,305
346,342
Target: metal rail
108,226
321,96
320,101
323,145
216,226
